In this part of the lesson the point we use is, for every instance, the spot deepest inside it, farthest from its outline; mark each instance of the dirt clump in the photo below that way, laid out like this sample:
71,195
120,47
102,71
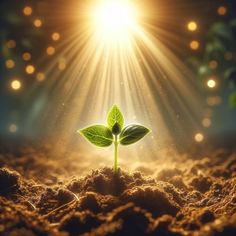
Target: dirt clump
197,197
9,182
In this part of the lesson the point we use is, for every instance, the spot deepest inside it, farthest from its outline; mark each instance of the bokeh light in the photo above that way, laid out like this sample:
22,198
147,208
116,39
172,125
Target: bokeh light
206,122
29,69
56,36
40,76
27,10
222,10
26,56
11,43
192,26
50,50
62,64
10,64
37,23
194,45
199,137
16,84
13,128
211,83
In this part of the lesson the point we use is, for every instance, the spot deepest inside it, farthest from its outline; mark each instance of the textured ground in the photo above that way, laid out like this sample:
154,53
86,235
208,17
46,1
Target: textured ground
183,197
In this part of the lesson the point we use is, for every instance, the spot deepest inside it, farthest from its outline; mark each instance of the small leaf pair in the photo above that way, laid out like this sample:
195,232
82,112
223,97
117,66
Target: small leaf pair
114,132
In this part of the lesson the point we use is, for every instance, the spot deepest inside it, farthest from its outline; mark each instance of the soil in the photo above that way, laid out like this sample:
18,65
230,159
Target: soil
41,196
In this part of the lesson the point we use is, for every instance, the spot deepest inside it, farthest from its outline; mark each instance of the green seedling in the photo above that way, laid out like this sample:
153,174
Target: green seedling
114,132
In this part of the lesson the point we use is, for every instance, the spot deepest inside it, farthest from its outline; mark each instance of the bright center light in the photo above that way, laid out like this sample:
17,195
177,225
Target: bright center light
114,19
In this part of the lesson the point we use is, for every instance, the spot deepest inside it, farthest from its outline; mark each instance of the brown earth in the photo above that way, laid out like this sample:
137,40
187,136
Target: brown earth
193,197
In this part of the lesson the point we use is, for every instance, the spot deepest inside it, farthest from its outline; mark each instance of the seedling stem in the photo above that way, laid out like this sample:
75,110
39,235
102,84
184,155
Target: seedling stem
116,154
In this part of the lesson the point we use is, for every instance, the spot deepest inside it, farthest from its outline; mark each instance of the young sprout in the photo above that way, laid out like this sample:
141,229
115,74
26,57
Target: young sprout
114,132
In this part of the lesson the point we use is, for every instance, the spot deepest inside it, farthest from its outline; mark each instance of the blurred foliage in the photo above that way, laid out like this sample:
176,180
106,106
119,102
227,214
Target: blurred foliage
218,59
232,100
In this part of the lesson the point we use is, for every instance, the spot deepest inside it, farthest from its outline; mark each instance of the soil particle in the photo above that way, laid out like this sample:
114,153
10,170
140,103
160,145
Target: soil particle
9,182
201,183
207,216
64,196
134,220
162,226
90,202
151,198
78,223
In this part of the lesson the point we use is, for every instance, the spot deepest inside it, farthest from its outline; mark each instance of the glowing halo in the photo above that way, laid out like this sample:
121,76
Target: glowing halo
114,20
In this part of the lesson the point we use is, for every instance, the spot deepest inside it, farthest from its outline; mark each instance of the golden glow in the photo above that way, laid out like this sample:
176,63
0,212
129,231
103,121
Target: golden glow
61,65
50,50
192,26
222,10
194,45
40,76
113,19
56,36
15,84
206,122
11,44
127,63
211,83
26,56
27,10
29,69
10,64
199,137
37,23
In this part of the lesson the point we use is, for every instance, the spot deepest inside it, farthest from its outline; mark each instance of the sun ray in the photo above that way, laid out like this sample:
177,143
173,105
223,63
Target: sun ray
119,59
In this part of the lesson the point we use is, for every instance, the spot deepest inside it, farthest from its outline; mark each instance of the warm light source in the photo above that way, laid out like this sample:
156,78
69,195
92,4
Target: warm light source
194,45
40,76
10,64
30,69
222,10
37,23
50,50
206,122
26,56
55,36
199,137
114,18
27,10
192,26
211,83
15,84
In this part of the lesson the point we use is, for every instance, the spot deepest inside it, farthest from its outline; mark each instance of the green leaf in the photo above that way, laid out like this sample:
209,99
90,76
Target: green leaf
133,133
115,116
98,135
